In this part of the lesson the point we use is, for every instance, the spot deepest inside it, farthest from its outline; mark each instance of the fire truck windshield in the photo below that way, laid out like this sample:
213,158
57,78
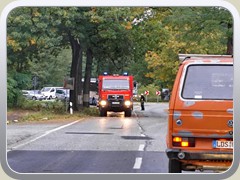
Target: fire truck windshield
116,84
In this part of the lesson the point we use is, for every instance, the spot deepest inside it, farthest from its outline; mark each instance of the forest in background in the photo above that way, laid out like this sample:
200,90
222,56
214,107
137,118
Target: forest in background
52,43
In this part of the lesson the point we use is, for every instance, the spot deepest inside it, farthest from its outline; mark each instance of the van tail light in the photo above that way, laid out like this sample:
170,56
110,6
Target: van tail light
183,142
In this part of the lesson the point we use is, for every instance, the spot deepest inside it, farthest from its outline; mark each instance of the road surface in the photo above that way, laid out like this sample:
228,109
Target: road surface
112,144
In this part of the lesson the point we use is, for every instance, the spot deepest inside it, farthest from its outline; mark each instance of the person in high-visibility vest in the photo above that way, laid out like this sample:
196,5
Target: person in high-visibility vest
142,100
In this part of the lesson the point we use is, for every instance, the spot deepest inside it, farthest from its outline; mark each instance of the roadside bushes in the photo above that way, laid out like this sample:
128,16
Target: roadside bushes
49,110
16,81
53,106
58,107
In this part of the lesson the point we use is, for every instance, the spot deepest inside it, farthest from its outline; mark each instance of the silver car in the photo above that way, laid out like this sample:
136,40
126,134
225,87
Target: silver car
62,94
33,95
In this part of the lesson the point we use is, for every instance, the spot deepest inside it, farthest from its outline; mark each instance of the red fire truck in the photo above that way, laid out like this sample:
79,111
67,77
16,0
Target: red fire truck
115,93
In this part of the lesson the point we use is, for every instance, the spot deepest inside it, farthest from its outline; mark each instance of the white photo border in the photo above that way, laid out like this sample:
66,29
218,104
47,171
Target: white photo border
109,3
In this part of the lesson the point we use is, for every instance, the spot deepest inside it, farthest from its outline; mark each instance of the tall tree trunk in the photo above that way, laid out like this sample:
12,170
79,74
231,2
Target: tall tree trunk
76,73
87,78
79,80
230,46
230,41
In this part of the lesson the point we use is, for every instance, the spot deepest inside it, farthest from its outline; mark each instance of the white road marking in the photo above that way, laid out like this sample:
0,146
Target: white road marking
138,163
135,114
141,147
46,133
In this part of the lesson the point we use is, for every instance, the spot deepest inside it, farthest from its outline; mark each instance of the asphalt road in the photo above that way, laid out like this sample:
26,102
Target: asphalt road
112,144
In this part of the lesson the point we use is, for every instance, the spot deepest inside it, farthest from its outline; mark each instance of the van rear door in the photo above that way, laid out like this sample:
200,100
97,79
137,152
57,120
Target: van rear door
204,108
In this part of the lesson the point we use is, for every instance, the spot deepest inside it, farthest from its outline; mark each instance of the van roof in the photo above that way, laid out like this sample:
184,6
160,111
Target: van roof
205,58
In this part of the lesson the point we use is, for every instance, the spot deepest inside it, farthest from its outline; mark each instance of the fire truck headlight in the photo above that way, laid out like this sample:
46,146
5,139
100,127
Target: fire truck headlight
127,103
103,103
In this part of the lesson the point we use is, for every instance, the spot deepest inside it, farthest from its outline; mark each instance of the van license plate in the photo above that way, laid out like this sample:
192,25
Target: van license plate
223,144
115,102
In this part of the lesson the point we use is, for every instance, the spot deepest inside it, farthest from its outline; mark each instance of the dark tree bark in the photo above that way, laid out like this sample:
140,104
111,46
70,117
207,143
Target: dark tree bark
230,46
230,41
87,78
76,73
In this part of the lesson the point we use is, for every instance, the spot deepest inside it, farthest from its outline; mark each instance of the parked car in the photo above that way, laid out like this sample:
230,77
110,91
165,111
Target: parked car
63,94
200,120
49,92
34,95
165,94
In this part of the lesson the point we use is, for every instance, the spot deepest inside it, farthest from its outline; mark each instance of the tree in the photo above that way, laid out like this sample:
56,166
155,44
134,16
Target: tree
187,30
142,40
34,44
108,43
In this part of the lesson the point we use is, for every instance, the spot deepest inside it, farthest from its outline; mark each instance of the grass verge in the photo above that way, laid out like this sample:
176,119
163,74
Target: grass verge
21,115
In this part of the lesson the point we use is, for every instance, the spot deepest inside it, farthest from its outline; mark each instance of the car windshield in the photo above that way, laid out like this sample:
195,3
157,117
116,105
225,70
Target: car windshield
208,82
62,91
45,89
121,84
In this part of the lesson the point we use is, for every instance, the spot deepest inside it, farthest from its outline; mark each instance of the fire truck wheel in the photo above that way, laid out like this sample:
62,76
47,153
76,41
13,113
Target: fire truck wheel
174,166
128,113
103,113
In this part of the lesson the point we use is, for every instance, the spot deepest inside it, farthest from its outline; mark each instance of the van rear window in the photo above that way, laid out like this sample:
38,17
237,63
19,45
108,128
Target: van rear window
208,82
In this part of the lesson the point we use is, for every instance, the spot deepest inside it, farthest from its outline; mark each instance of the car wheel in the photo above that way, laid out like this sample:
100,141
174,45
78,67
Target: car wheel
103,113
174,166
50,97
128,113
34,98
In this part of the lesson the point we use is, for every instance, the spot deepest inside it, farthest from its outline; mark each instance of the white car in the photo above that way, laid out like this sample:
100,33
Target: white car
49,92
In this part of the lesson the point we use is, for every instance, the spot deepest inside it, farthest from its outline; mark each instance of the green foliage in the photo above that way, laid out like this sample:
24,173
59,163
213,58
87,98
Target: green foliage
143,41
15,82
53,69
185,30
11,91
112,43
199,30
152,88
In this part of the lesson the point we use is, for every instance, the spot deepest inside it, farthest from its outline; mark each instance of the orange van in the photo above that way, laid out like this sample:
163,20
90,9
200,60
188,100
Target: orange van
200,122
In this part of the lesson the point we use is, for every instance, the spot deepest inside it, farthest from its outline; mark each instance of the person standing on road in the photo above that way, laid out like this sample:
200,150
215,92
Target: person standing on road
142,100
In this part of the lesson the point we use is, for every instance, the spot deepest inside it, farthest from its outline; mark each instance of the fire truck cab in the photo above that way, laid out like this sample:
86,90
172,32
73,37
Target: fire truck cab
115,93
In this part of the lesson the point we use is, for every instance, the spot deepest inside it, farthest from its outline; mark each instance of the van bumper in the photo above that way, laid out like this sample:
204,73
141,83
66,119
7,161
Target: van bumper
201,160
200,155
